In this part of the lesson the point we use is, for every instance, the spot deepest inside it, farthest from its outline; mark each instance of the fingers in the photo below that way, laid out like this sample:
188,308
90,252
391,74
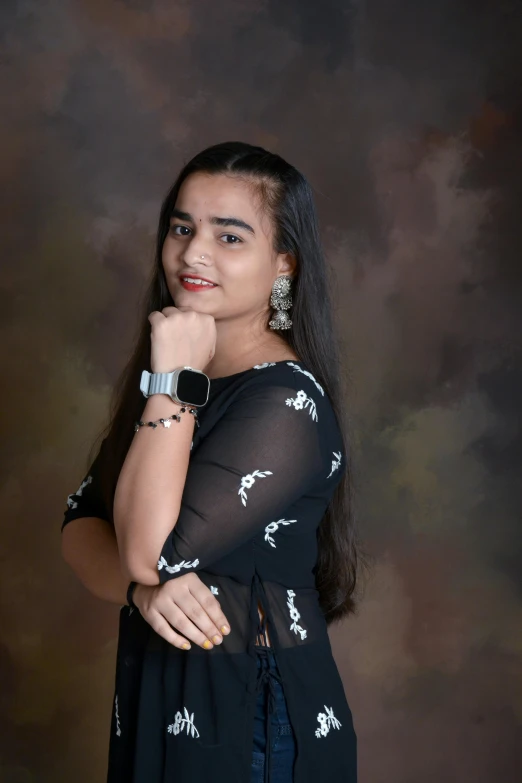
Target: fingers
184,610
210,605
191,619
158,623
201,606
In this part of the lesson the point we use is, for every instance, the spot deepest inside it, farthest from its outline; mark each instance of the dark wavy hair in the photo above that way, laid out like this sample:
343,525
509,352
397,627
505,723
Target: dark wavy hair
287,199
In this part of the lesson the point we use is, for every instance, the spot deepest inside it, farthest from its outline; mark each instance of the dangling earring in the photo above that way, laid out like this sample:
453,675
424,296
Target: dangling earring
281,300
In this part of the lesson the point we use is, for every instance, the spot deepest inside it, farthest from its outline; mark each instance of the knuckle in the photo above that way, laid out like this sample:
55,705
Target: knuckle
208,601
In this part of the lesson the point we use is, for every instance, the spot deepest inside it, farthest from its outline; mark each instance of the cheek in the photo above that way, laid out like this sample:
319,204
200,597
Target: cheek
168,253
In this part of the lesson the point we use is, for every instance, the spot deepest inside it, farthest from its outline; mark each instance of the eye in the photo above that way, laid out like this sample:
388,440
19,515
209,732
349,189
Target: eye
174,227
234,237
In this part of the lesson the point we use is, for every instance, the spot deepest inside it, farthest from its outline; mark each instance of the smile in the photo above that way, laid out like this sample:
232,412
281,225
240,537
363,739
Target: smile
191,284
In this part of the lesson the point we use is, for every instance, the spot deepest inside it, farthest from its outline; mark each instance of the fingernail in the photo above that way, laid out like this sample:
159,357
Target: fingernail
207,644
217,639
185,646
224,629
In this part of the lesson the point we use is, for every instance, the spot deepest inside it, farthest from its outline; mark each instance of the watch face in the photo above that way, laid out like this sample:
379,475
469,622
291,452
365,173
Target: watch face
192,387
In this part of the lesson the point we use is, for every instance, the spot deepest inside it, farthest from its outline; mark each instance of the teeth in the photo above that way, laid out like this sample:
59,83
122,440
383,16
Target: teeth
197,282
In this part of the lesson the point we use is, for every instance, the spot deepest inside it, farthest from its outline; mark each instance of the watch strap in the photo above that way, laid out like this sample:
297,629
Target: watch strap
156,382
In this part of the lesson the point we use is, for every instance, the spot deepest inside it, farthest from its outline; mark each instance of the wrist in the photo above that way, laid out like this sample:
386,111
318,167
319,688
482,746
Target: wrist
136,594
131,589
161,406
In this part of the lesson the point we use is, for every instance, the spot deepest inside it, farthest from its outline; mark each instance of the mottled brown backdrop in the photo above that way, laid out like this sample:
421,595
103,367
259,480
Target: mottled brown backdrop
406,117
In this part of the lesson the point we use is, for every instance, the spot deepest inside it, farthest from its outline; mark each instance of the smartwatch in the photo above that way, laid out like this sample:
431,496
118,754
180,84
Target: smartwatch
184,385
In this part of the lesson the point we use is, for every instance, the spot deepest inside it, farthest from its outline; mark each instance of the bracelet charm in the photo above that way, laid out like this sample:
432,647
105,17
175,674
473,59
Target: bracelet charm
167,422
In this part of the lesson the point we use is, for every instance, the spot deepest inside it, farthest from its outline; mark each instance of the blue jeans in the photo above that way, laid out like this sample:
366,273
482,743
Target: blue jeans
271,721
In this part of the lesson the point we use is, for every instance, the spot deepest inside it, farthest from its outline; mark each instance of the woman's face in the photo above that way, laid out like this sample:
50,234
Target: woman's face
216,216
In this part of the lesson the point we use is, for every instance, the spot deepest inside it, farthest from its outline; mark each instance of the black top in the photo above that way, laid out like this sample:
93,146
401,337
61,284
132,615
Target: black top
263,467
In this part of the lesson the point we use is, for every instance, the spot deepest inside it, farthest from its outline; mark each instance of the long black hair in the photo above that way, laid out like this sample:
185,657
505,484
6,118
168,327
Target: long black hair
287,199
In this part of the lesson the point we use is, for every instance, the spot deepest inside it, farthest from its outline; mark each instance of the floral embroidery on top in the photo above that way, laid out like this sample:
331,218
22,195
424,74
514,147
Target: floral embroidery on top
248,480
177,567
214,590
272,528
309,374
118,727
327,722
180,721
294,614
72,503
335,462
298,401
261,366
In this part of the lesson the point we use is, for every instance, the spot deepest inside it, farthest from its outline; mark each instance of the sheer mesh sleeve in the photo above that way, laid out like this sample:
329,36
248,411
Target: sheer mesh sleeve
87,501
262,455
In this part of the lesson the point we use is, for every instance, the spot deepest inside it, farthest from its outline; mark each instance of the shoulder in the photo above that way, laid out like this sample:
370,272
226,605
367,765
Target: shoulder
290,373
292,385
290,381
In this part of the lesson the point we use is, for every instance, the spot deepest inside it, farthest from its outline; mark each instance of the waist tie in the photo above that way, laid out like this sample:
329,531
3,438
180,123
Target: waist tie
267,676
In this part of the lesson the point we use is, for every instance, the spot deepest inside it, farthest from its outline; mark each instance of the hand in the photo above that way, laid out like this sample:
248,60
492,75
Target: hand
181,336
185,603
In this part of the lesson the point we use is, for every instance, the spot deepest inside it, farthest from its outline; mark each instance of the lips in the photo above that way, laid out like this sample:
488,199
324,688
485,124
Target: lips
197,287
198,277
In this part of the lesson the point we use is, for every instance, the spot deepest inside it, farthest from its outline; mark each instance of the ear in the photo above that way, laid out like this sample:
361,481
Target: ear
286,264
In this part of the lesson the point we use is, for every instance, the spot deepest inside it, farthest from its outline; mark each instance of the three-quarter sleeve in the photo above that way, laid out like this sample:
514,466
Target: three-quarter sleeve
263,454
87,501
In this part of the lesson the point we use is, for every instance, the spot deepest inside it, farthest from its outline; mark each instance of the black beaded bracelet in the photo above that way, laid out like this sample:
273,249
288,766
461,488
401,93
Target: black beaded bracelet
166,422
130,593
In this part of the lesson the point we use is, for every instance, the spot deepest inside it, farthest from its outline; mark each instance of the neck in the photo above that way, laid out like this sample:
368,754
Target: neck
238,348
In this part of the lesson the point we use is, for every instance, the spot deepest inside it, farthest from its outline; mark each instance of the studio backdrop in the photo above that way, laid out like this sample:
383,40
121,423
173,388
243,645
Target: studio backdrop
405,118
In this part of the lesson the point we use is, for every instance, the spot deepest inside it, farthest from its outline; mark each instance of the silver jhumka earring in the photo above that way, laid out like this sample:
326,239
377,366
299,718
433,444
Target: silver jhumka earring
281,300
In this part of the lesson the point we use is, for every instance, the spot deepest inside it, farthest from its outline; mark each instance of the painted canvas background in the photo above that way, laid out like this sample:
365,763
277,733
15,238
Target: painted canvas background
406,119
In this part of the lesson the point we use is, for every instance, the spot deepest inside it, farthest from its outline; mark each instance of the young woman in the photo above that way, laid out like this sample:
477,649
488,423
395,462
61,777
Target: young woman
220,495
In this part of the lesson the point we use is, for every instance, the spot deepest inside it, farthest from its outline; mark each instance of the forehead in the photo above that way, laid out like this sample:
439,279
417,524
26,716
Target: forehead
205,195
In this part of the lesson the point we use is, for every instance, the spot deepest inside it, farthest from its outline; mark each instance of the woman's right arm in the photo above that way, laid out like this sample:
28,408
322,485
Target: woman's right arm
90,548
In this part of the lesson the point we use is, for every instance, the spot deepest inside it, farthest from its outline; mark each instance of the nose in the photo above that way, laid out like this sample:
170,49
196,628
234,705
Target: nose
197,251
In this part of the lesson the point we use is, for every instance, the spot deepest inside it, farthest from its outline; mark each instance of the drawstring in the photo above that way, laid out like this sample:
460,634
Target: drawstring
267,676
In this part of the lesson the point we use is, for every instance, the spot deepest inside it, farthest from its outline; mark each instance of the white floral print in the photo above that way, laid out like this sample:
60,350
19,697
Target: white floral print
214,590
294,614
180,722
72,503
248,480
309,374
273,527
118,727
335,462
261,366
327,722
177,567
302,401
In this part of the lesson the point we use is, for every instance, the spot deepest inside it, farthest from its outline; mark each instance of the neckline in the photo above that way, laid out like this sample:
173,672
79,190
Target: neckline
254,367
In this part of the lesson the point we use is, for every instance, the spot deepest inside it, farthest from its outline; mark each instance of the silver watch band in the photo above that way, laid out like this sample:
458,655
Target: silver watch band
156,382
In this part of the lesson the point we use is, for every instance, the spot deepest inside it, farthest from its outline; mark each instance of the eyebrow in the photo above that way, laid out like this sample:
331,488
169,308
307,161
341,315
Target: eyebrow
216,221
